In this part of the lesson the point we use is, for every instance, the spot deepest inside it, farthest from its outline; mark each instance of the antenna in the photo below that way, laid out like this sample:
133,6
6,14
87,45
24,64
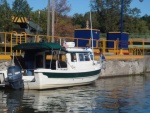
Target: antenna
91,31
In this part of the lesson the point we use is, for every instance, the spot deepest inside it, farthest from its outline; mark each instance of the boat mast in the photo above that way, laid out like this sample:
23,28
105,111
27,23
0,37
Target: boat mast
91,29
48,18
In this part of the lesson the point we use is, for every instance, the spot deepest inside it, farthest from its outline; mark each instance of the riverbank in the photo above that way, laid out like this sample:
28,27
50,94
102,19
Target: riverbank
113,67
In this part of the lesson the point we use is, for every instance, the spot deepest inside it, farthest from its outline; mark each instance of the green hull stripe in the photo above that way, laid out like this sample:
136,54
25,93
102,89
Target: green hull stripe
71,75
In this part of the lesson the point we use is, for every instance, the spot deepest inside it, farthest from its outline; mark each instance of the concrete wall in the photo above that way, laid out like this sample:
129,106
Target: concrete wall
4,64
126,67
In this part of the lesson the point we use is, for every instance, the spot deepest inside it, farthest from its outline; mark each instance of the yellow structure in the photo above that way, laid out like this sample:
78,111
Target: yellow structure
134,52
19,19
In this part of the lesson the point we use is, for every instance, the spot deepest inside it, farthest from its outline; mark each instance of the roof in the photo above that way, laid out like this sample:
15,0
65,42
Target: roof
39,46
88,29
78,50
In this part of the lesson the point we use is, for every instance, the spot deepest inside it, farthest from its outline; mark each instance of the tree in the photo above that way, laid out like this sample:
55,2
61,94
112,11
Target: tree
146,18
5,15
62,21
40,17
21,8
62,7
108,13
78,20
63,25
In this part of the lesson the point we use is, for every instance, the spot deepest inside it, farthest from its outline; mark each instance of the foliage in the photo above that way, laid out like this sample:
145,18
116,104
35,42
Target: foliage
108,13
146,18
78,20
21,8
64,27
5,14
40,17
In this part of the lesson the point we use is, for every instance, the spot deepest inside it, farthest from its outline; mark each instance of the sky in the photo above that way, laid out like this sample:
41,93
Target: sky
82,6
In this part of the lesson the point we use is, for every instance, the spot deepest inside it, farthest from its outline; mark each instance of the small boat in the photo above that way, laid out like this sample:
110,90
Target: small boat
50,65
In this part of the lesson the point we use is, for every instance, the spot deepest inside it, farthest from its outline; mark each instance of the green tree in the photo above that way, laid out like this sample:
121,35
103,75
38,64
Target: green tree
146,18
95,22
40,17
78,20
5,15
21,8
108,14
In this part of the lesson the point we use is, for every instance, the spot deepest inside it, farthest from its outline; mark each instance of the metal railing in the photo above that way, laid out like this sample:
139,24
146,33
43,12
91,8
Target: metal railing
135,47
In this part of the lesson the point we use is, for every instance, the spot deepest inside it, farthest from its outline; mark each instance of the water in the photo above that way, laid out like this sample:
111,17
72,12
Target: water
113,95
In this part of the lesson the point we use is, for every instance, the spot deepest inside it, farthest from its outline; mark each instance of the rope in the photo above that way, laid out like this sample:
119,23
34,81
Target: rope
19,63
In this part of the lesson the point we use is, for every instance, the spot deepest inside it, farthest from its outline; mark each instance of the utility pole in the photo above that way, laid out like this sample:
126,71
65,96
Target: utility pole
53,20
121,20
48,18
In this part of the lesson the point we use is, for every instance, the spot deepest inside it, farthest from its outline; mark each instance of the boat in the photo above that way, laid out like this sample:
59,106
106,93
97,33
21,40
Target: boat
50,65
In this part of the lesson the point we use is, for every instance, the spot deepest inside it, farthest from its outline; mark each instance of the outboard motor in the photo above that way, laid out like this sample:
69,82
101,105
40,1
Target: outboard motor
15,77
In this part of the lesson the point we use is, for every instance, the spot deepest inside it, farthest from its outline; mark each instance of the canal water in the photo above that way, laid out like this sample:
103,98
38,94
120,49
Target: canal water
112,95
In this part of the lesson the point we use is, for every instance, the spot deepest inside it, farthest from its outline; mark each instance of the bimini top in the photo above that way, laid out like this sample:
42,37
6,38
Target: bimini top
39,46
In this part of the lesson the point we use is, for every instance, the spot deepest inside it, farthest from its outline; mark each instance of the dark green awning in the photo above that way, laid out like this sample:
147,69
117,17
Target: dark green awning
39,46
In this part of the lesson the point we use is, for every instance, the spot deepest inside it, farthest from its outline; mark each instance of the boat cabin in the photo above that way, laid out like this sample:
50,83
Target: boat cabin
53,56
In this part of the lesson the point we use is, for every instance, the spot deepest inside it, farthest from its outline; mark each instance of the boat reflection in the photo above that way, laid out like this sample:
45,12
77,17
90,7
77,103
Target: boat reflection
105,95
65,100
11,101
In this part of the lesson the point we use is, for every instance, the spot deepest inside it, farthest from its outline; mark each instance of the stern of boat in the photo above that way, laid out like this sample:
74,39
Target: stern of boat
3,78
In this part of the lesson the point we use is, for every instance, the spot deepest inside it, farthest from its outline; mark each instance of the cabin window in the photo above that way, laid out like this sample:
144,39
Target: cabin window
62,61
81,57
39,61
51,58
86,56
73,57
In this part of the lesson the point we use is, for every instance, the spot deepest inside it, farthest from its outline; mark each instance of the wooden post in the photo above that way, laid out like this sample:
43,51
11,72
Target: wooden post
11,45
115,47
5,43
104,45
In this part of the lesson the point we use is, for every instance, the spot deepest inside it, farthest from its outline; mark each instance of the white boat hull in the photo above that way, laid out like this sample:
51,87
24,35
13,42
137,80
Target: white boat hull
47,78
43,82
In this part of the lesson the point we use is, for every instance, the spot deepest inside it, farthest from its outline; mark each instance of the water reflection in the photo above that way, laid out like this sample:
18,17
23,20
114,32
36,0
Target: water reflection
115,95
